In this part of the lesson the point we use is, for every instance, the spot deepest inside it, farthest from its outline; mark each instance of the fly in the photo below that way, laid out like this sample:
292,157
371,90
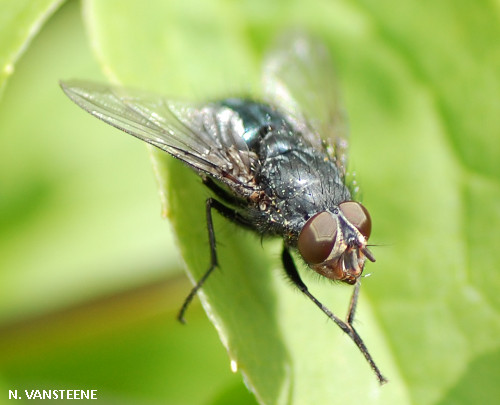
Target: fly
276,165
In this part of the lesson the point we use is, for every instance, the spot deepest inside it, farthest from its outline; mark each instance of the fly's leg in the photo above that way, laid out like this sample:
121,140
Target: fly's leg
221,193
226,212
354,303
346,327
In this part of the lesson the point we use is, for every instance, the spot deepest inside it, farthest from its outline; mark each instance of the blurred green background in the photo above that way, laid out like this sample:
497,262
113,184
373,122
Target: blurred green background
90,276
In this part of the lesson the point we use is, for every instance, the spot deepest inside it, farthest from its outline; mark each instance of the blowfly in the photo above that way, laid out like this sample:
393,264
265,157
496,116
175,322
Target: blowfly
276,165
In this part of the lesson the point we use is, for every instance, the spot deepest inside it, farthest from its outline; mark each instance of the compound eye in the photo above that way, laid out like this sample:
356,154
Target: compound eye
358,216
317,238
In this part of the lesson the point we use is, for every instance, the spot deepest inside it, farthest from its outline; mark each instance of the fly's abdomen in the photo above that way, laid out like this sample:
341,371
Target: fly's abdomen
257,120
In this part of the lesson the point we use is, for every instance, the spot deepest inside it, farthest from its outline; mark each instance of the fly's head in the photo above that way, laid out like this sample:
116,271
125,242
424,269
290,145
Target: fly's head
333,243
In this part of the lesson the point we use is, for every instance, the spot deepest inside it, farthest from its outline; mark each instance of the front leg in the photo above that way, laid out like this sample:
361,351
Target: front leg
346,327
226,212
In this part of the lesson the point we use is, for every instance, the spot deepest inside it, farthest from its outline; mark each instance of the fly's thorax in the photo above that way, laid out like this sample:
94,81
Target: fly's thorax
333,242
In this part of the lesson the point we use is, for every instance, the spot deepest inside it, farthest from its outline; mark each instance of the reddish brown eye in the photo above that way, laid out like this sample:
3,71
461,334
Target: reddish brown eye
317,237
357,215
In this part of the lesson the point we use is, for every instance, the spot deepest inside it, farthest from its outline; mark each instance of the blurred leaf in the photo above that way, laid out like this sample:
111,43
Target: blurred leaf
234,394
128,347
79,212
421,84
438,70
20,21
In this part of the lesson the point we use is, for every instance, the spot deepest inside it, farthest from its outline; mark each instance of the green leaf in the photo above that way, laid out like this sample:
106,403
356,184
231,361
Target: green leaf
20,21
421,84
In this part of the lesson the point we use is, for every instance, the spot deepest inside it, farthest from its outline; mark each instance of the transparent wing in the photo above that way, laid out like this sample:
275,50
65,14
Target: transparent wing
299,79
206,137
